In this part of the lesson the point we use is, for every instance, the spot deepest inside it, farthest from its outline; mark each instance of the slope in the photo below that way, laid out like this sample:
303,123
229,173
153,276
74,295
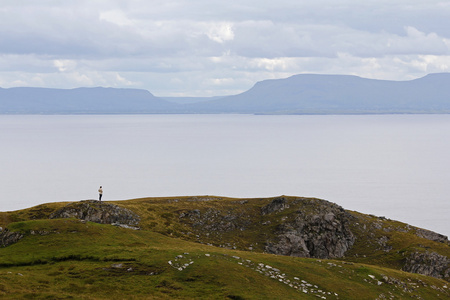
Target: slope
324,94
80,101
76,258
73,259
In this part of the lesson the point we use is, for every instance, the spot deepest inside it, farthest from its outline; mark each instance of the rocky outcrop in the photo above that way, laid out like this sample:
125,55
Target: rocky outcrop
321,232
98,212
277,205
9,237
90,210
292,226
431,235
428,263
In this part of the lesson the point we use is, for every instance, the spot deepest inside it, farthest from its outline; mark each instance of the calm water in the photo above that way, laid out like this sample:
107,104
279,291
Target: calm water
387,165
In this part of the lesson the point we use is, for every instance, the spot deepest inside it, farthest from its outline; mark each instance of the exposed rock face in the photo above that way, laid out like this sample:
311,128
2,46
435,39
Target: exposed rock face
322,234
98,212
428,263
431,235
277,205
9,237
293,226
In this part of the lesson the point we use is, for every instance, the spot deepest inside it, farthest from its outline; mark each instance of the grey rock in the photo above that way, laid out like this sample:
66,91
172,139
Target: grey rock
321,230
125,226
329,217
98,212
9,237
429,264
322,234
383,243
277,205
291,244
430,235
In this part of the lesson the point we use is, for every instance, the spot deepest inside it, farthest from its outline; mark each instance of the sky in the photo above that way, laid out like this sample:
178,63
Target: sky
214,48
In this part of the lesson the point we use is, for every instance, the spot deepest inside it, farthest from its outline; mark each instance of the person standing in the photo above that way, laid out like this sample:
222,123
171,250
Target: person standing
100,193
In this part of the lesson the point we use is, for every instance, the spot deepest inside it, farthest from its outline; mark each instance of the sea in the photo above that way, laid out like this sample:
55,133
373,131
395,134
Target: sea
395,166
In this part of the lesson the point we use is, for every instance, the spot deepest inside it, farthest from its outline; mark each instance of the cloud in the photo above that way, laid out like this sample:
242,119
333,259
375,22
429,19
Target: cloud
116,17
64,65
220,32
196,47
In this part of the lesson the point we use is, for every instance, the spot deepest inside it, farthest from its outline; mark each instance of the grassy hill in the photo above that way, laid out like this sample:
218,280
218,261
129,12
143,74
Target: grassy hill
207,248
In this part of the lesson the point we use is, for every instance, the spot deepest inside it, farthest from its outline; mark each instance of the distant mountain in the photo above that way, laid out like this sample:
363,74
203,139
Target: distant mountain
80,101
190,100
324,94
299,94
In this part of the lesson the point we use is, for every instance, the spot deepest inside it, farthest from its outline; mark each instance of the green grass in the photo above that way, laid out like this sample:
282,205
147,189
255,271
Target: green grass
70,259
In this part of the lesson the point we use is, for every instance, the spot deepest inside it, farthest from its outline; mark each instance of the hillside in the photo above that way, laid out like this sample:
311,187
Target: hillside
299,94
339,94
216,248
80,101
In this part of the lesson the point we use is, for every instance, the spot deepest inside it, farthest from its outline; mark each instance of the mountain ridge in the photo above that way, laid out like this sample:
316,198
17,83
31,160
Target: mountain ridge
298,94
79,101
322,94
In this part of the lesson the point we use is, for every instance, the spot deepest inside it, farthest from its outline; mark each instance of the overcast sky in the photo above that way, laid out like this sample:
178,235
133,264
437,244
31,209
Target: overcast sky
211,47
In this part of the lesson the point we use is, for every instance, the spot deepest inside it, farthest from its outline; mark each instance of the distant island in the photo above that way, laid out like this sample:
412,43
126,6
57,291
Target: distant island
298,94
